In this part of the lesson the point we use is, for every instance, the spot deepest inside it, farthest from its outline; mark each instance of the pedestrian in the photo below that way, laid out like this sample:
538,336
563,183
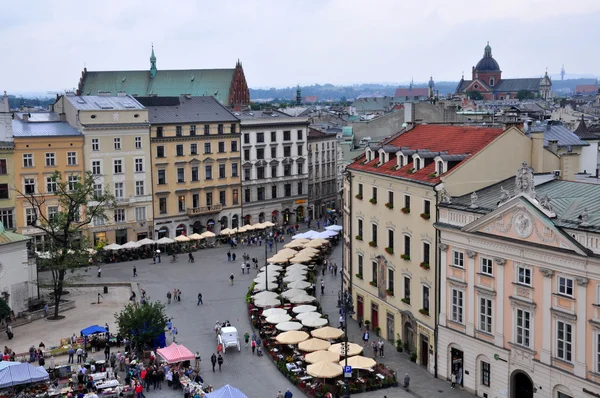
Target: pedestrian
174,332
246,338
365,337
190,257
374,347
198,359
71,353
231,279
279,394
46,309
342,322
134,271
323,270
220,361
169,297
158,255
107,352
453,380
200,299
381,345
406,381
233,257
253,346
9,331
288,394
243,267
99,272
335,270
79,355
360,322
322,287
169,324
213,360
229,255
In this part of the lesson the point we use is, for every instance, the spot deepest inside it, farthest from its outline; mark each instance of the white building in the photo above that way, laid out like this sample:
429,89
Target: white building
323,172
274,166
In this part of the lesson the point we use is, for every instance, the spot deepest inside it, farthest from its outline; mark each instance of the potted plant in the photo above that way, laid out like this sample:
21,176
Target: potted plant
358,237
425,216
367,324
406,301
359,276
432,175
424,311
358,196
405,257
410,171
389,205
373,243
373,283
398,343
389,292
406,346
373,201
377,330
405,210
413,356
425,265
390,250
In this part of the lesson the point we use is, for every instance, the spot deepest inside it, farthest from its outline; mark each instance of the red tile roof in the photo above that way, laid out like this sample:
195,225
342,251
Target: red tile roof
455,140
411,92
586,89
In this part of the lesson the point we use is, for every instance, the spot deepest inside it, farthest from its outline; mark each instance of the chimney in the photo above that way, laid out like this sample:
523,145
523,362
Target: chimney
409,113
569,166
553,146
537,150
513,123
26,117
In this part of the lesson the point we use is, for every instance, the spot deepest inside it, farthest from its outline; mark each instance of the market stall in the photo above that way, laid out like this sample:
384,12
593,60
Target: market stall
175,353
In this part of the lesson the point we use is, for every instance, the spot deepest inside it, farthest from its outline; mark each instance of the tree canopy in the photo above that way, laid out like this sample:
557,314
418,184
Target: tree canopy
525,94
142,324
474,95
4,309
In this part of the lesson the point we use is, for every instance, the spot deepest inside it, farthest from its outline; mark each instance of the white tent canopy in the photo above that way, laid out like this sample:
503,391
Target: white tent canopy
130,245
165,241
145,242
112,246
334,228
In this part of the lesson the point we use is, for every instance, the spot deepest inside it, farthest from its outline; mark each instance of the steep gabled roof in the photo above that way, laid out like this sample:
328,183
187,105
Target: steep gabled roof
583,132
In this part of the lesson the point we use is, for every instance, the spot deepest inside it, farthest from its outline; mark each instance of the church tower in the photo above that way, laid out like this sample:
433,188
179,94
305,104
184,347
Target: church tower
431,88
152,63
298,96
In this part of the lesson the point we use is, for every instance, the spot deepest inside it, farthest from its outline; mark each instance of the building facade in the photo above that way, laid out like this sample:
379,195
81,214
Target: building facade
274,166
323,156
117,152
520,287
7,172
196,165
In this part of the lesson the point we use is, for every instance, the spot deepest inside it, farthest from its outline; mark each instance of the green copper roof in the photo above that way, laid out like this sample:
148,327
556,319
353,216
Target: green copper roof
10,237
167,83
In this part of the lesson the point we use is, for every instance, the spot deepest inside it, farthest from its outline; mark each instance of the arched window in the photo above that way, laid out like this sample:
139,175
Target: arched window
491,82
440,167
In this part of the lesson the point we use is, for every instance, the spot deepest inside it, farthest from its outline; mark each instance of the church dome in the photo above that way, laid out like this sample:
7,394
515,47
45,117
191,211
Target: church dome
487,63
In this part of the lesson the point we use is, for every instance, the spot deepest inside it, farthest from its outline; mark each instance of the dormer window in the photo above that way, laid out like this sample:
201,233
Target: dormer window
491,82
381,158
400,160
417,163
439,167
368,154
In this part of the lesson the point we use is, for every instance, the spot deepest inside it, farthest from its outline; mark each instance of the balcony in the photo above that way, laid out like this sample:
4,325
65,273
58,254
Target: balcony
198,211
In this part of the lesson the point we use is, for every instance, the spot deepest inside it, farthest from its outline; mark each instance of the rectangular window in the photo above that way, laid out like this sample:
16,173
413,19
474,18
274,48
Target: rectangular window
140,214
119,215
180,174
374,195
118,166
207,147
4,193
407,246
485,373
390,286
523,327
71,158
181,203
28,160
234,169
30,216
390,199
51,185
222,197
209,199
138,145
162,177
485,314
246,138
179,150
195,174
139,188
565,286
299,150
220,128
97,191
159,132
524,276
273,136
360,228
232,128
260,193
564,341
287,189
391,239
195,200
52,212
299,169
3,168
374,271
246,154
407,289
222,171
96,168
206,129
426,298
7,218
273,191
221,146
160,151
407,202
287,170
300,188
273,152
246,195
360,190
260,153
73,180
287,135
234,195
119,191
117,143
374,233
139,165
287,151
247,175
260,138
458,259
50,159
426,253
193,149
427,207
300,134
487,266
208,172
234,146
162,205
95,145
457,306
178,131
273,171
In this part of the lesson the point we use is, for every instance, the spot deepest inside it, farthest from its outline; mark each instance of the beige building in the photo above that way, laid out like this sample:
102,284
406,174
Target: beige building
117,152
392,204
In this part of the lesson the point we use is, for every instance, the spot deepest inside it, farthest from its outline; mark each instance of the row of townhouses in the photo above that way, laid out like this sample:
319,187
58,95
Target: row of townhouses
175,165
479,249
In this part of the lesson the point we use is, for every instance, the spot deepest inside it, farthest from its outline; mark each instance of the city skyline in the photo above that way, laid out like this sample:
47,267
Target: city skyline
336,42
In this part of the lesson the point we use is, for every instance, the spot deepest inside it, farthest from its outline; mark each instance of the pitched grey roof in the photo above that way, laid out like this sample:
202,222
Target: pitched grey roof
583,132
185,109
556,131
373,104
103,103
253,115
42,129
531,84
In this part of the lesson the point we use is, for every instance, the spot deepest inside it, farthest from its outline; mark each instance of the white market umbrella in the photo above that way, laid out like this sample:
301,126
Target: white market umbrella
145,242
267,302
271,268
304,308
324,370
262,278
227,231
292,293
302,298
292,337
268,224
294,272
326,234
182,238
259,287
259,226
195,236
327,333
294,267
312,345
351,350
165,241
288,326
337,228
112,246
307,315
320,356
359,362
130,245
313,322
298,285
294,278
274,311
264,295
207,234
277,319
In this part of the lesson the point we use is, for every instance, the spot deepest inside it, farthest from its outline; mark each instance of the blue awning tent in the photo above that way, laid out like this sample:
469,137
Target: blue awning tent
94,329
226,392
14,373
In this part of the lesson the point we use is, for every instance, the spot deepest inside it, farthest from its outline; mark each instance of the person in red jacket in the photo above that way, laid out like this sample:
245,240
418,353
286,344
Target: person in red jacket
139,391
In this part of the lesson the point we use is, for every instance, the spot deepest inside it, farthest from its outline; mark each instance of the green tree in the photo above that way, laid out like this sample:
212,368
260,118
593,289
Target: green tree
4,309
525,95
474,95
63,214
142,324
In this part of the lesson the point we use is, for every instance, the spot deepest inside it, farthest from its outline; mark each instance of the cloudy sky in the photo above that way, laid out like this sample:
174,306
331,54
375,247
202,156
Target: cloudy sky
281,43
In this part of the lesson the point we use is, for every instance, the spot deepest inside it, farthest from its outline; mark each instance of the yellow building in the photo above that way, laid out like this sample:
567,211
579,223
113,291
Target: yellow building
7,145
42,145
196,165
117,152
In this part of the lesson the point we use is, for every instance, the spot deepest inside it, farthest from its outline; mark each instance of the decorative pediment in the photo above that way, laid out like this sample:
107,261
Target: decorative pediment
523,221
287,161
261,163
247,164
274,162
300,160
194,161
209,160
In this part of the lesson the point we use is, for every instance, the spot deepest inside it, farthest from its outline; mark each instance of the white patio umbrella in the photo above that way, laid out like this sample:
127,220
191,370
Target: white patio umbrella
302,272
289,253
298,285
294,278
313,322
259,287
208,234
334,228
326,234
302,298
263,295
165,241
227,231
306,315
268,224
276,319
145,242
274,311
299,309
195,236
181,238
112,246
262,278
287,326
299,267
292,293
267,302
259,226
317,243
272,268
130,245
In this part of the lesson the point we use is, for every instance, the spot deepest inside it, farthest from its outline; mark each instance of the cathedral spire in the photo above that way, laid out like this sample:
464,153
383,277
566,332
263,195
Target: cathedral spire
487,52
152,63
